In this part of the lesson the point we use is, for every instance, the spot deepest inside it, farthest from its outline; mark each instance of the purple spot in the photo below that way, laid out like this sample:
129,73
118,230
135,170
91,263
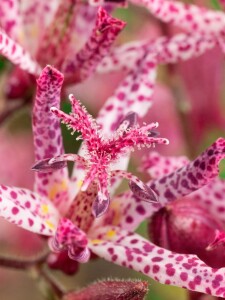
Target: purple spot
15,210
31,222
13,194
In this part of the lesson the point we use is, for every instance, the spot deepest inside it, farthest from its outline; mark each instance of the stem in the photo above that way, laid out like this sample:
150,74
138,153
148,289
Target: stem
22,264
53,283
7,113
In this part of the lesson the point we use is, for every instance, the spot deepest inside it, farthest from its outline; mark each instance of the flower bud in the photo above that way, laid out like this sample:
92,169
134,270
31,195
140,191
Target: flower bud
111,290
184,226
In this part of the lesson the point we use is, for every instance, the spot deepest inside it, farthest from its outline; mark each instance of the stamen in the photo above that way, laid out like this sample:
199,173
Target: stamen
100,205
144,193
45,165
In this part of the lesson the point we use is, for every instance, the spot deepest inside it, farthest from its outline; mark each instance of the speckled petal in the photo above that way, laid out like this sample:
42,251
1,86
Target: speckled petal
28,210
17,55
56,39
212,198
128,212
118,57
10,22
133,94
157,165
47,137
192,176
97,46
189,17
180,47
35,17
132,251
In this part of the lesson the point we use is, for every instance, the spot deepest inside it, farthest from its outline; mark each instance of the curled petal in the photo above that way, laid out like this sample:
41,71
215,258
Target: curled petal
69,237
79,255
130,250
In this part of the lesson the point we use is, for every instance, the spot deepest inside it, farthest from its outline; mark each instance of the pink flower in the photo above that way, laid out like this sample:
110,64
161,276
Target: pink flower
51,210
68,221
101,153
41,33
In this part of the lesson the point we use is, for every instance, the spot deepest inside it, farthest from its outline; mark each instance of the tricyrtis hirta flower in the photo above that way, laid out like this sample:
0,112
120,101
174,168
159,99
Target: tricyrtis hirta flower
53,210
102,152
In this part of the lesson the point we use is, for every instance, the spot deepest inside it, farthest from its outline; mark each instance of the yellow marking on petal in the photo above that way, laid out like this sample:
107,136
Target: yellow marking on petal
21,36
111,233
96,241
50,225
79,183
34,31
44,208
56,189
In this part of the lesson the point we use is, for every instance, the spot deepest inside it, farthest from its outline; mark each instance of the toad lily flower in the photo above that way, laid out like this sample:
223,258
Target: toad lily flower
101,152
61,23
52,209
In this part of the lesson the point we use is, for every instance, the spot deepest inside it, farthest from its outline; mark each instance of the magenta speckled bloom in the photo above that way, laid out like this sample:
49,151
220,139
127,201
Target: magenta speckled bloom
31,34
53,210
102,152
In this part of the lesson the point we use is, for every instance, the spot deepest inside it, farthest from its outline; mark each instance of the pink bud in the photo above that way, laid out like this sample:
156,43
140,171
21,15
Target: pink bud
184,226
111,290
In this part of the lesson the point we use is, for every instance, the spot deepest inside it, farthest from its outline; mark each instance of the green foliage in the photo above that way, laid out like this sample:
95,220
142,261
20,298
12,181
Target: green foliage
215,4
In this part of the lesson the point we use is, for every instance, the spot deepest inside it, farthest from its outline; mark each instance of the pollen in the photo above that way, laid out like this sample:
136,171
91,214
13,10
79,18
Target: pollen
110,233
49,224
57,188
96,241
44,208
34,31
79,183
